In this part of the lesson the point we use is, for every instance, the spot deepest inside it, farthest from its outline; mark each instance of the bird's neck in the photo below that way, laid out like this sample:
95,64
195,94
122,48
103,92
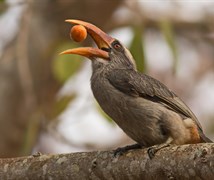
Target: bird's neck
100,67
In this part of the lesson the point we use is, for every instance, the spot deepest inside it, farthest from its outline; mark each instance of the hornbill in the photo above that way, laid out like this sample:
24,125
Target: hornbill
144,108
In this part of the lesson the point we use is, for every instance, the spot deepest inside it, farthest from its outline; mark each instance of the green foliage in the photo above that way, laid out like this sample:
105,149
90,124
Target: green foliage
31,132
3,6
65,66
168,33
137,48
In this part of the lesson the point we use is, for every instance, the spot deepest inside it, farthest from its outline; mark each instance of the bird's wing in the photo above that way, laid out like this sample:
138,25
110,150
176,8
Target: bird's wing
137,84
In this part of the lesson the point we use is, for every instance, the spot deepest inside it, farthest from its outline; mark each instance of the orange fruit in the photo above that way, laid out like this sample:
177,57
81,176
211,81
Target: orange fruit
78,33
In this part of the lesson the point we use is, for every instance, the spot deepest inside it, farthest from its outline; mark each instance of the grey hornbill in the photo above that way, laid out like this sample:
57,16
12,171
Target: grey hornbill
143,107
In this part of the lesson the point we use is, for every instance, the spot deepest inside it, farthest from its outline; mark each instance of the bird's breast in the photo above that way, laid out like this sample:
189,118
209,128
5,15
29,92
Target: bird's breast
112,101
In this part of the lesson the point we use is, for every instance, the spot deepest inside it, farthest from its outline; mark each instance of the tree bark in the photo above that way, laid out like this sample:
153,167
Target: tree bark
195,161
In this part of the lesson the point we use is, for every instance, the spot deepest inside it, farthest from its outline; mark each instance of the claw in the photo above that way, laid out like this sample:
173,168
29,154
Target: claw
154,149
151,152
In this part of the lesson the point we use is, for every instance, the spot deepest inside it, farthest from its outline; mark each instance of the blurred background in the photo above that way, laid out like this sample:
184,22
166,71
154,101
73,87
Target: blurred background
46,103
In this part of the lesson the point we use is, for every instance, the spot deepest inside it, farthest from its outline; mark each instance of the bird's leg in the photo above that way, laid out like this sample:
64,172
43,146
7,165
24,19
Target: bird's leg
152,150
119,151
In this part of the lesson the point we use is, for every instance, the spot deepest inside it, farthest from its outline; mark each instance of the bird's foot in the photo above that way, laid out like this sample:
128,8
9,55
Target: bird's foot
152,150
121,150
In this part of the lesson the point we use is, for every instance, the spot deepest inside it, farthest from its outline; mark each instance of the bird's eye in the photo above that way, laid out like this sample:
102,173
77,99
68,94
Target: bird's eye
117,46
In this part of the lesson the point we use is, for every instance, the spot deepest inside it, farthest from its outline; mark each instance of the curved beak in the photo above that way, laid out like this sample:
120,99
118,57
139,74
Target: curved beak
102,40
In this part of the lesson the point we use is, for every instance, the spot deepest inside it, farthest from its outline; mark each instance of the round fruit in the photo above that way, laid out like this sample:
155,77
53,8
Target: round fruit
78,33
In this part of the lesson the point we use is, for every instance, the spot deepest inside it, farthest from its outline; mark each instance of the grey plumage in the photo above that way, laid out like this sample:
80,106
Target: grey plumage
142,106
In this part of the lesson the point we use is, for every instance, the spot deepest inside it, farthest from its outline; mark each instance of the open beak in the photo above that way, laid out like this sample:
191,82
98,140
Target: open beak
102,40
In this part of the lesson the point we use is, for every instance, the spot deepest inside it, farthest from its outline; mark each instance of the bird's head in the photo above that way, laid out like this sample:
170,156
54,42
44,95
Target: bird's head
110,52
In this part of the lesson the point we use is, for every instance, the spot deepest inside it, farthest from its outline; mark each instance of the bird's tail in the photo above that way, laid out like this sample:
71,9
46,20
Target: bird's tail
205,139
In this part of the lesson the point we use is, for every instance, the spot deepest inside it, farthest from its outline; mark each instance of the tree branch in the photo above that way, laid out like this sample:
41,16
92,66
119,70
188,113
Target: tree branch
195,161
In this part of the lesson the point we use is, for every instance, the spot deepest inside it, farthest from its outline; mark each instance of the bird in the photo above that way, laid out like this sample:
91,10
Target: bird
143,107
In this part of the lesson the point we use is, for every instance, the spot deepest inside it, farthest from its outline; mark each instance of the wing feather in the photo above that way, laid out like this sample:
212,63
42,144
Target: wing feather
137,84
